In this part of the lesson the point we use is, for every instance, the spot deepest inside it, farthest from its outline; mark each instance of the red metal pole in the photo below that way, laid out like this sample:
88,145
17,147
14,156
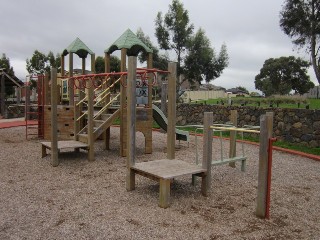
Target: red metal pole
271,140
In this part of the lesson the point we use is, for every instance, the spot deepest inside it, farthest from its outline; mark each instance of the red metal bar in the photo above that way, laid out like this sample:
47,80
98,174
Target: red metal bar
271,140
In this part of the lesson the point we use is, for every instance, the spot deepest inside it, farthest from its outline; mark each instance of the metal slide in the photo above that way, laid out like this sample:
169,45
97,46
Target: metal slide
162,121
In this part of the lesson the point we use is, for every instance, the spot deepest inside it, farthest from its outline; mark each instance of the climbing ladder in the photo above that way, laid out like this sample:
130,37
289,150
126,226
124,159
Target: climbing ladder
35,119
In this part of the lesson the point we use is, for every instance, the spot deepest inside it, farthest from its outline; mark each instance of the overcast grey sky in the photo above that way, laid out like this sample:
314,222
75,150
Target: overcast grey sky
250,29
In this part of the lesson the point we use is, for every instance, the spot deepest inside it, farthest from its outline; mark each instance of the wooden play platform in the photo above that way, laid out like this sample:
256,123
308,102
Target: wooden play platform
164,171
69,144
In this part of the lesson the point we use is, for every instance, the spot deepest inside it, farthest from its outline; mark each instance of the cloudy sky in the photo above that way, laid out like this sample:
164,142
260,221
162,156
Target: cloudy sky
250,29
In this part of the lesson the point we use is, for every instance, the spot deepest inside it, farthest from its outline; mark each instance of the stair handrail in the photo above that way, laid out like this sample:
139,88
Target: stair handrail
105,92
106,106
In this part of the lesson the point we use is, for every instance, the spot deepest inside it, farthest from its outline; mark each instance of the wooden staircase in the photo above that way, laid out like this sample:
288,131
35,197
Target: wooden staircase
101,124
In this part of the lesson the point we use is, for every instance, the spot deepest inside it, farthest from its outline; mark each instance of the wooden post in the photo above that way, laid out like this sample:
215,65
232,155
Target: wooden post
70,89
78,110
266,129
46,90
90,122
18,94
149,66
62,65
107,100
122,102
54,119
171,135
131,121
207,152
164,194
2,95
83,69
93,63
233,137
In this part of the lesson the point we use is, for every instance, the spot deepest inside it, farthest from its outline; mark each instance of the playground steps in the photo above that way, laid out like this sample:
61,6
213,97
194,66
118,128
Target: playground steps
100,126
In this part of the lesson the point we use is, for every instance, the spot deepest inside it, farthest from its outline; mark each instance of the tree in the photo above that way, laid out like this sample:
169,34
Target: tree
99,65
173,31
243,89
5,66
40,63
281,75
300,20
201,62
160,61
114,64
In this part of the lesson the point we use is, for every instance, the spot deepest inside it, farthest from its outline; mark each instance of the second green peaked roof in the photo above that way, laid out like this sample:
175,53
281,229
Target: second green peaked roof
77,47
129,41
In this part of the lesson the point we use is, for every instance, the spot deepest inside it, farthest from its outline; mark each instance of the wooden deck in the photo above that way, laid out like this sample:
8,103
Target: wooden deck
167,169
72,144
164,171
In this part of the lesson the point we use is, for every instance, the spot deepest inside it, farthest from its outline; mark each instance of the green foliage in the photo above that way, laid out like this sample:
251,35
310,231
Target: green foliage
300,20
174,30
114,64
281,75
99,65
41,63
160,61
201,62
5,65
243,89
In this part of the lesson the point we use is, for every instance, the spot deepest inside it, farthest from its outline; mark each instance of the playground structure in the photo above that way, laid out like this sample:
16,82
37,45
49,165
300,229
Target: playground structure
89,125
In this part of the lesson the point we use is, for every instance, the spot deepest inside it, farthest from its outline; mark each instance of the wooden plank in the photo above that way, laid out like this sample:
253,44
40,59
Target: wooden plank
54,118
131,121
65,144
171,134
228,160
233,137
167,168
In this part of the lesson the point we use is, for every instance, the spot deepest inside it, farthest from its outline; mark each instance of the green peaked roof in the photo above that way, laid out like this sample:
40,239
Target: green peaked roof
77,47
129,41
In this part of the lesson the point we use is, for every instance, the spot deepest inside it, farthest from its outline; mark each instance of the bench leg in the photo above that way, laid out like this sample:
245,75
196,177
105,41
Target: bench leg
130,180
204,185
164,193
243,165
43,151
194,179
